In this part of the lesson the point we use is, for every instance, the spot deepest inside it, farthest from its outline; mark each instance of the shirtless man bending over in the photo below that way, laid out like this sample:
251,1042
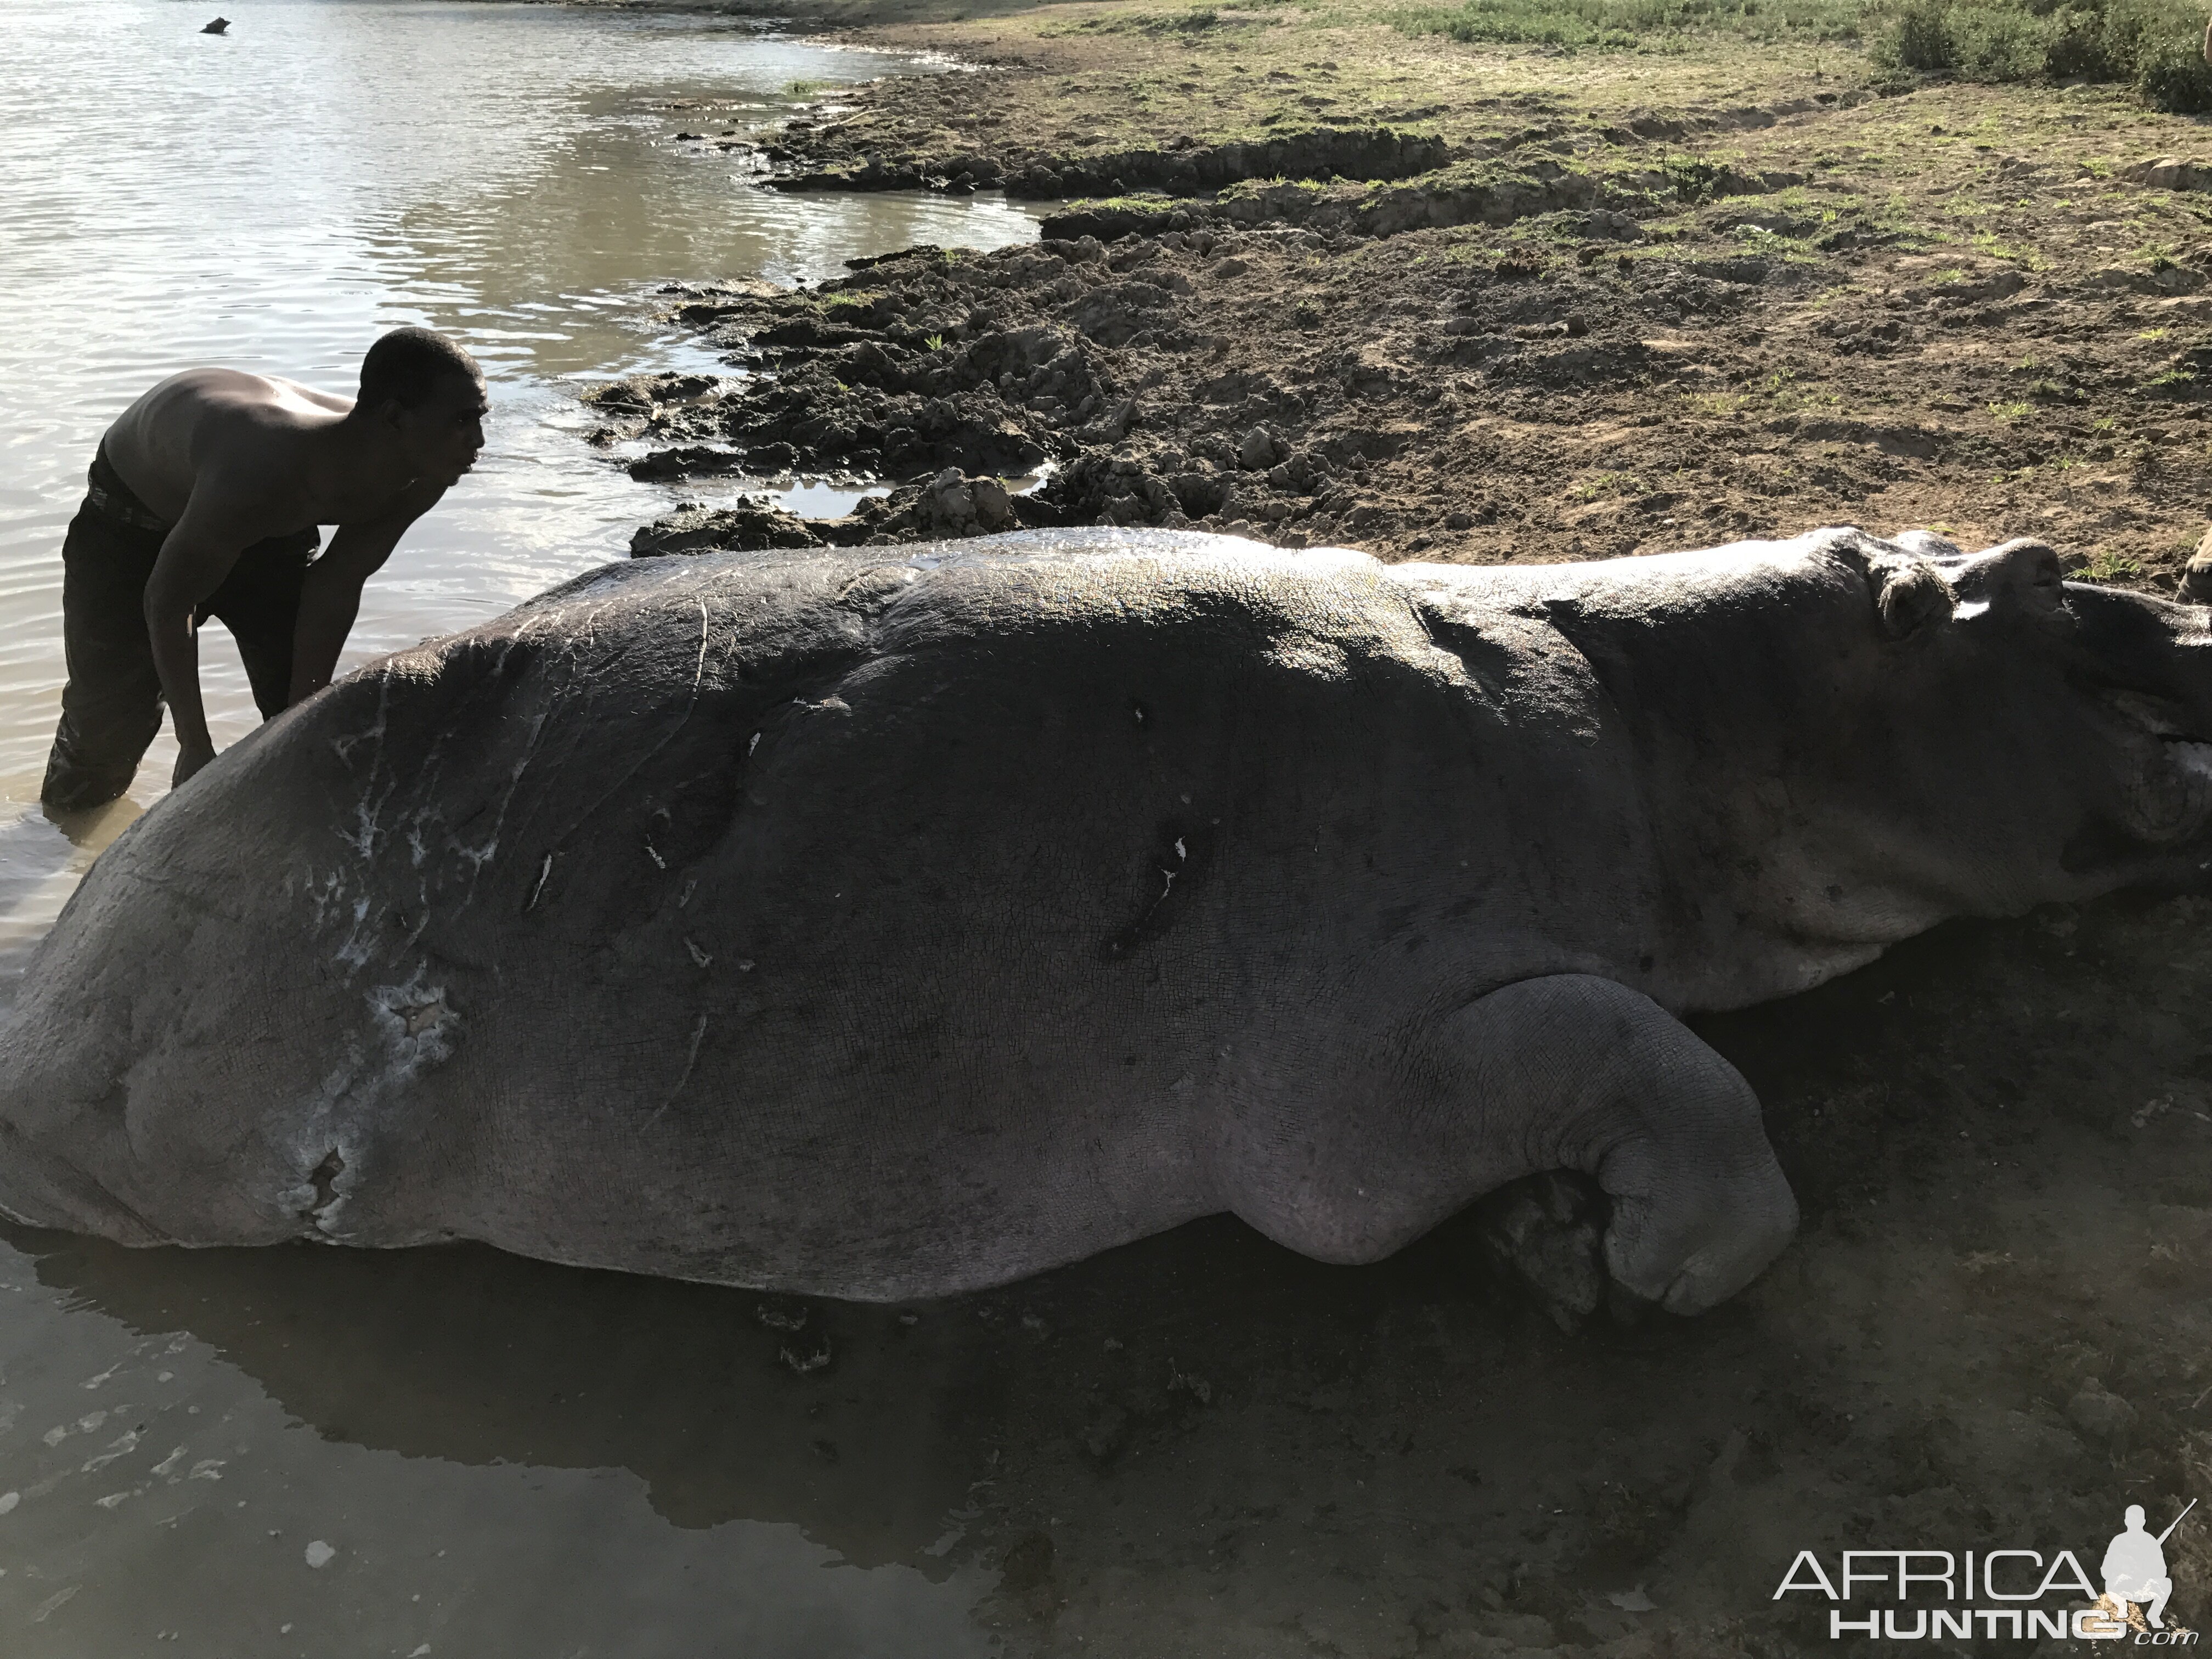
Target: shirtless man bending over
205,498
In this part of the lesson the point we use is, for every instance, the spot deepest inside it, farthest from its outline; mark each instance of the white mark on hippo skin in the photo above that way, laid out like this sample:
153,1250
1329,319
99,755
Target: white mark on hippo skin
745,964
754,745
355,952
690,1059
85,1424
127,1443
320,1554
369,806
698,956
325,895
699,672
9,1500
480,855
653,852
52,1603
538,886
168,1465
366,812
344,747
689,887
1182,857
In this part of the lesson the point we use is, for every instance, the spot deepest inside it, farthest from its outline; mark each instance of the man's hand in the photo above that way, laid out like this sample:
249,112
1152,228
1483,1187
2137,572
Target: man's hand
189,759
222,517
330,596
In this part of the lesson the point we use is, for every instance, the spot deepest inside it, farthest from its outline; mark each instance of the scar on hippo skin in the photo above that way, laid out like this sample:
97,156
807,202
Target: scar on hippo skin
323,1179
1181,856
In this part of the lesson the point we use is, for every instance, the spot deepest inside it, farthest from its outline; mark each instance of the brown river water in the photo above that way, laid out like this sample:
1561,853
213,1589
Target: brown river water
445,1453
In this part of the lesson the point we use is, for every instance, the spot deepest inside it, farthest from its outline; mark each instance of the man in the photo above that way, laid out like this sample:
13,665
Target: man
2134,1570
204,502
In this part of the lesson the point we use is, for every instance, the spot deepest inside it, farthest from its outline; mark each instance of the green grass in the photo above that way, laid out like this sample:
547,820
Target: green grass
2152,44
2155,45
1632,25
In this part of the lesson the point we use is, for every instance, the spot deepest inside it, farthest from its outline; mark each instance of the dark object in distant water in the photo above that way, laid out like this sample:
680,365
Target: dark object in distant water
221,25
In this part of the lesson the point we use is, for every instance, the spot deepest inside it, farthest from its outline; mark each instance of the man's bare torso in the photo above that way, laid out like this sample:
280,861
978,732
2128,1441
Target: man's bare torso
225,465
258,425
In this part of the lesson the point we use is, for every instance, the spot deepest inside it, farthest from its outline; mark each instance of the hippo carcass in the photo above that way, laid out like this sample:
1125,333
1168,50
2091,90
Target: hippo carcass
883,923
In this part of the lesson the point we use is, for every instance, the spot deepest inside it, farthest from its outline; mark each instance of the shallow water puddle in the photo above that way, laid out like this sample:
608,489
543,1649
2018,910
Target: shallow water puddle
442,1451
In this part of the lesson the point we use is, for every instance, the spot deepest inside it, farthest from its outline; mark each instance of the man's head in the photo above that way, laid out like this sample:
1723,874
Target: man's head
429,394
2135,1517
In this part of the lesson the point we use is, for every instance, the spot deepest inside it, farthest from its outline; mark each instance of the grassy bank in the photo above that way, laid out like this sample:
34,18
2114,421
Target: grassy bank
2152,46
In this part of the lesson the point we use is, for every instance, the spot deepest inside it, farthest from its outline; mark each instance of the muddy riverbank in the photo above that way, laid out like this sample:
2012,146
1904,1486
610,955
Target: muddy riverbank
1532,313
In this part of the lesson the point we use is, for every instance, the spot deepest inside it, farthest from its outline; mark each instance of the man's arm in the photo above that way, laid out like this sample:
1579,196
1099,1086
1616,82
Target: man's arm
197,555
329,598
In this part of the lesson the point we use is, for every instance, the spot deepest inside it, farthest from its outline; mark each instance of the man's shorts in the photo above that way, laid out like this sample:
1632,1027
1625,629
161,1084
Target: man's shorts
111,706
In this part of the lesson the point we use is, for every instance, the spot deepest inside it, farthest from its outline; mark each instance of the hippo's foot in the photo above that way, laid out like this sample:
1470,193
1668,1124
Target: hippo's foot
1546,1237
1565,1072
1577,1072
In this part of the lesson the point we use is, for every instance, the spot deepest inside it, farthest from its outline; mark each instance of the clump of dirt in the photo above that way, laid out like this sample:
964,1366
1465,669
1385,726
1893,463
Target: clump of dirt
950,505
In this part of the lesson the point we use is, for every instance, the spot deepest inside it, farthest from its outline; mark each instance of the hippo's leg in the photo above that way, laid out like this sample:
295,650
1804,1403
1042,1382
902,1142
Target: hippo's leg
1568,1071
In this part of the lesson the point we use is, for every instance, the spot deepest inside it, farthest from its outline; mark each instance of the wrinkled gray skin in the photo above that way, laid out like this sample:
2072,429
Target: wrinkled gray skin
885,923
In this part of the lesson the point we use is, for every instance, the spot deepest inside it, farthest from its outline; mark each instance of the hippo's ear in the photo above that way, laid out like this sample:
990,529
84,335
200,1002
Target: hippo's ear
1909,595
2022,576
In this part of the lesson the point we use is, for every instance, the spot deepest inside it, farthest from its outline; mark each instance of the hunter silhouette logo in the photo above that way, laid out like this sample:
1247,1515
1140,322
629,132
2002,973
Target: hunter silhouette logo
1948,1585
2135,1573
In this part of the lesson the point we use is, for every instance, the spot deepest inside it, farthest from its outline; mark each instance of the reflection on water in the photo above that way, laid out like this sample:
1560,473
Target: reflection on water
485,1456
272,199
502,1457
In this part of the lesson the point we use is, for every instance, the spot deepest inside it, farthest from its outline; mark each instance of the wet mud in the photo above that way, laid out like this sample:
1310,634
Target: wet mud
1595,332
